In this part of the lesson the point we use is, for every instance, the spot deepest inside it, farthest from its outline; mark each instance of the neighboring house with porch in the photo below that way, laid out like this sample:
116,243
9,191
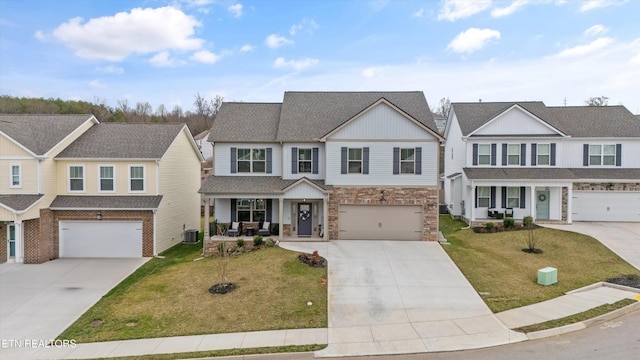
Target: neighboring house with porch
559,164
80,188
328,165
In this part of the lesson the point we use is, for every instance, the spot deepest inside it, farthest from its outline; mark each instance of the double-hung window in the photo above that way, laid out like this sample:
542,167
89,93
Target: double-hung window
136,178
250,210
252,160
484,196
107,178
407,161
602,154
15,176
76,178
304,160
543,155
484,154
513,154
355,161
513,197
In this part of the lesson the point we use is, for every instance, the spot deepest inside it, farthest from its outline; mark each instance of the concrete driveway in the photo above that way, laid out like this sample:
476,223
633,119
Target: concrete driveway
38,302
623,238
388,297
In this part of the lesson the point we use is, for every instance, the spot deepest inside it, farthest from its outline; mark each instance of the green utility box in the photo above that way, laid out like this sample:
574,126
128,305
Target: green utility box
547,276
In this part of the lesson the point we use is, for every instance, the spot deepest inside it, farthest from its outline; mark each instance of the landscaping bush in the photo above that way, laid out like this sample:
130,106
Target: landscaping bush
269,242
240,243
490,225
257,240
509,223
527,221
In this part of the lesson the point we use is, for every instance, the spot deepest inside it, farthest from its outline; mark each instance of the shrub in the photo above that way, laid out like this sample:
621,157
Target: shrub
490,225
240,243
527,220
221,248
509,223
257,240
269,242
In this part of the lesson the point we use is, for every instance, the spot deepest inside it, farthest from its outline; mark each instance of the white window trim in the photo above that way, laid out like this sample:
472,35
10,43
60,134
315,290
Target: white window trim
251,160
144,178
408,161
488,197
19,186
602,155
518,197
478,159
538,154
510,154
349,160
100,178
310,161
252,208
84,178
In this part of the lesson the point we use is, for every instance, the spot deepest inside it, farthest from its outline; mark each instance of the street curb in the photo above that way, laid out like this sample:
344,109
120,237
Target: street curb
606,284
583,324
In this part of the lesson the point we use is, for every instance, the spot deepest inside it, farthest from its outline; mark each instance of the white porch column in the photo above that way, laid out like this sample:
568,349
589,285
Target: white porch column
206,219
325,219
533,202
281,218
569,203
472,206
19,244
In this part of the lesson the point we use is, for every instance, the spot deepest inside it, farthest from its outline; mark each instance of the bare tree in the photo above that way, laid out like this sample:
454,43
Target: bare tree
204,108
161,111
443,107
597,101
124,106
143,109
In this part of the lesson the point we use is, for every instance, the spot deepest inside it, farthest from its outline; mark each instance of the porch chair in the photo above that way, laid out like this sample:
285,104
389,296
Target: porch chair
508,212
264,228
235,229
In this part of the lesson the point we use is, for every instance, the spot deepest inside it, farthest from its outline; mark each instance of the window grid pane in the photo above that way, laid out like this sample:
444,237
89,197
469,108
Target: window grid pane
484,154
513,154
136,181
513,197
76,178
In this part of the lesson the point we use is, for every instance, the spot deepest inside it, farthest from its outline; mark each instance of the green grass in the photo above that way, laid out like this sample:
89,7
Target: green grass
585,315
230,352
169,297
495,263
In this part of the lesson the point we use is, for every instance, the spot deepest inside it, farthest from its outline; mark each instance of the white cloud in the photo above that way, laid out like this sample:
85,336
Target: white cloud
581,50
247,48
307,25
275,41
419,13
596,4
162,59
510,9
111,69
40,35
97,84
297,65
235,10
205,56
371,72
595,30
472,39
141,31
635,60
453,10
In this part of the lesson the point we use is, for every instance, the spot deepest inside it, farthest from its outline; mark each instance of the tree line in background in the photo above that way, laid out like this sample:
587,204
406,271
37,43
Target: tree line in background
200,119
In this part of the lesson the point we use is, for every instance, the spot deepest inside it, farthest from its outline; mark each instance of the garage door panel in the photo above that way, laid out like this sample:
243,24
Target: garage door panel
606,206
100,239
380,222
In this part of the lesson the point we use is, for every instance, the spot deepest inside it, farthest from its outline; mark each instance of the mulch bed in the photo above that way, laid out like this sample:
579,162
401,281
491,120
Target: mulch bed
313,260
222,288
631,280
500,228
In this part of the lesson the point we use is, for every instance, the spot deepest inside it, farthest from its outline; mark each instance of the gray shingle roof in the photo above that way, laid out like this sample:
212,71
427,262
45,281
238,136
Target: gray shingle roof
577,121
246,122
571,174
19,202
306,116
106,202
123,141
250,184
40,133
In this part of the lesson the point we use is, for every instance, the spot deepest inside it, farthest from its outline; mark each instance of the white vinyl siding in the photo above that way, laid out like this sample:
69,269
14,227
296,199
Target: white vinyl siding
222,156
136,178
76,178
527,124
287,161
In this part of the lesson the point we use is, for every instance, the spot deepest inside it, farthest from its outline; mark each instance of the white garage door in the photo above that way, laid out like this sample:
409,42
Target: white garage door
606,206
380,222
101,239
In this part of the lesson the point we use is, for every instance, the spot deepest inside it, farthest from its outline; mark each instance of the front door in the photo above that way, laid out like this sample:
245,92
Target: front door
304,219
11,241
542,204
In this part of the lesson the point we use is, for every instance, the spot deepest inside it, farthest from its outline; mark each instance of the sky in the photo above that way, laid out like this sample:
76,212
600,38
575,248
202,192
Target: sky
165,52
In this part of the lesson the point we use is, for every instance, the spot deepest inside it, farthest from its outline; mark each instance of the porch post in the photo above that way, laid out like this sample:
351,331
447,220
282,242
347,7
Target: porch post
533,202
19,241
280,218
206,219
325,219
473,202
569,203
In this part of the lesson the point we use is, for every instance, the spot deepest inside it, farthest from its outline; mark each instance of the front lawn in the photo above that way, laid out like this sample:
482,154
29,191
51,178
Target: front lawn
170,297
507,277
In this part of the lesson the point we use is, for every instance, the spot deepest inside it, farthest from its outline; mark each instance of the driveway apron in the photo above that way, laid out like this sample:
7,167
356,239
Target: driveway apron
395,297
38,302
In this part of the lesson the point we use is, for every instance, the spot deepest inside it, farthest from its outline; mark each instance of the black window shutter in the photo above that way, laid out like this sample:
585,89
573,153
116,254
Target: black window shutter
494,153
475,154
294,160
523,196
343,160
234,159
493,197
552,161
504,196
618,154
233,210
534,153
365,160
314,159
418,158
269,210
504,154
475,204
523,154
585,155
396,160
269,160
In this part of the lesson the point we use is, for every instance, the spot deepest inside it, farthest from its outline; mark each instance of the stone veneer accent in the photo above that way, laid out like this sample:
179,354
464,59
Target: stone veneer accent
425,196
3,242
565,204
607,186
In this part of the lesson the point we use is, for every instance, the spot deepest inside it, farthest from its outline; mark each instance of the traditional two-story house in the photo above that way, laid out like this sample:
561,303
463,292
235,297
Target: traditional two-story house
329,165
558,164
79,188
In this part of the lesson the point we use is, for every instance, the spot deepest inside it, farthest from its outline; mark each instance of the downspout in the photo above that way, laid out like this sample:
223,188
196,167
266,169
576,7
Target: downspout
155,232
39,179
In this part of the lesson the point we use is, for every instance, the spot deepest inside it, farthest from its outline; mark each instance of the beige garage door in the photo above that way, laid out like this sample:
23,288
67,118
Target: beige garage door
380,222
